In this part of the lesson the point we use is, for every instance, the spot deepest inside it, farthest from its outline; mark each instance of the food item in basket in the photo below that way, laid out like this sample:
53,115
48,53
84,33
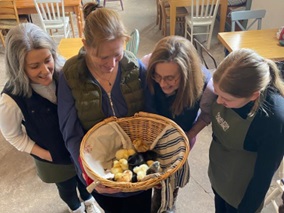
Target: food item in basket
133,168
119,166
135,160
141,171
140,146
124,153
150,162
154,168
123,164
126,176
140,158
116,170
149,155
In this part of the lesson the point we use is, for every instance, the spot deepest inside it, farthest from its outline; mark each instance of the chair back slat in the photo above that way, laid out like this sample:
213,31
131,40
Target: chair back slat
52,15
51,11
245,15
204,54
9,17
8,11
133,44
203,9
201,19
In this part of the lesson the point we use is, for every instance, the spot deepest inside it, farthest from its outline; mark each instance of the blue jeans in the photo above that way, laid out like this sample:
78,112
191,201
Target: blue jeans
68,193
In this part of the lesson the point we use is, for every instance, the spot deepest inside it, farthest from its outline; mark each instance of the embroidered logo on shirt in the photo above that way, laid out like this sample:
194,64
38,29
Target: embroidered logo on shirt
225,126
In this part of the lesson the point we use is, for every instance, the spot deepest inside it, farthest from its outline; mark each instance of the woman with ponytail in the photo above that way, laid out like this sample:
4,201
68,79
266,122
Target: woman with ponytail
103,80
248,137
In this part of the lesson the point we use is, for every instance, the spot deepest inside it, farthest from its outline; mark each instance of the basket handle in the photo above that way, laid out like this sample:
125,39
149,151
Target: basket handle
92,186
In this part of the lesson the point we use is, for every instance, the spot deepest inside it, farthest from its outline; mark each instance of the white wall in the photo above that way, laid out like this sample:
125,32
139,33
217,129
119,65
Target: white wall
274,17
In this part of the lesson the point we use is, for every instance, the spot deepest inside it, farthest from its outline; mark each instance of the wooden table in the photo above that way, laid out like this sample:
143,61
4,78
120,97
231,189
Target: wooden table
28,7
264,42
69,47
186,3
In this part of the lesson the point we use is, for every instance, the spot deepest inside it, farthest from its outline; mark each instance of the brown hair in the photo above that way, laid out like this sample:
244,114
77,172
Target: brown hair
89,7
181,51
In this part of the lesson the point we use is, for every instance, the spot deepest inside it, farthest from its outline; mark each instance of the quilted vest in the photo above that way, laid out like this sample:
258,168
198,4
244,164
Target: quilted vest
42,126
88,95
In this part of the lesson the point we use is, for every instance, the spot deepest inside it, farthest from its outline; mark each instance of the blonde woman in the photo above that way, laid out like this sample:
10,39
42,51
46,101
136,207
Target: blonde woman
103,80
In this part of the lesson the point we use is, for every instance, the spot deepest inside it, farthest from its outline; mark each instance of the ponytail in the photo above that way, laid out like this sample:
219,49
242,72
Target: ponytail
90,7
276,79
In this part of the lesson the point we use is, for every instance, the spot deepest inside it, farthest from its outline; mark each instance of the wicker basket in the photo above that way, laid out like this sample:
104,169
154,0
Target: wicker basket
145,126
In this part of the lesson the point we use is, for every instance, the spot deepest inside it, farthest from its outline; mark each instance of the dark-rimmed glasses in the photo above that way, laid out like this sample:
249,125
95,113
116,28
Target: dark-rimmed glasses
169,79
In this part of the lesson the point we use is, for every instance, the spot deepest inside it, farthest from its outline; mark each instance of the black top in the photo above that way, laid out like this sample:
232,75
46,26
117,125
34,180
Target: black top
265,137
160,103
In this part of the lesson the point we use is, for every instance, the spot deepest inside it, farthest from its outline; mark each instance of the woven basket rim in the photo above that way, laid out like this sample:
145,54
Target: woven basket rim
142,185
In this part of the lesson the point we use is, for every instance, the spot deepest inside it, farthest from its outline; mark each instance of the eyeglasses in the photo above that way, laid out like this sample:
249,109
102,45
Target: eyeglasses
170,79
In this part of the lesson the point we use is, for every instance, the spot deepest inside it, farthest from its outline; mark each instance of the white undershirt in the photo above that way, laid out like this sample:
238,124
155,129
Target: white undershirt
47,92
11,118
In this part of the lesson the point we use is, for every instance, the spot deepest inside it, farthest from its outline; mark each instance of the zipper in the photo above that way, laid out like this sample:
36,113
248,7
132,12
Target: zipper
111,103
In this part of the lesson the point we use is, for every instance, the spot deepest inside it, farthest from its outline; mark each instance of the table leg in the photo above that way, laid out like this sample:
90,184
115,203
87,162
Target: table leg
223,14
80,20
173,11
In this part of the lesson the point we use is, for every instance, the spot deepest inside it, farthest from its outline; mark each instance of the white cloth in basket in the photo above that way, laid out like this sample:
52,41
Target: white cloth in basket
102,144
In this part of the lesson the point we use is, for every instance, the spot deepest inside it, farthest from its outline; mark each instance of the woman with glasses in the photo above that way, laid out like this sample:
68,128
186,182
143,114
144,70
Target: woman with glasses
176,81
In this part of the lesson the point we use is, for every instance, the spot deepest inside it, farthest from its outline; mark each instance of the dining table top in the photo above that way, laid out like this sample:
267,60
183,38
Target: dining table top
264,42
69,47
30,3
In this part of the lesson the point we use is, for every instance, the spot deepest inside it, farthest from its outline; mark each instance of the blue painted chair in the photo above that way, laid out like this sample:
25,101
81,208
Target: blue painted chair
255,16
133,44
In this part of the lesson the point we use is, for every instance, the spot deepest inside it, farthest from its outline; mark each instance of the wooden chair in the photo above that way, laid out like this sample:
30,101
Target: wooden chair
180,15
204,55
133,43
72,23
234,5
121,3
279,189
52,17
202,14
239,20
9,17
255,16
159,13
2,38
